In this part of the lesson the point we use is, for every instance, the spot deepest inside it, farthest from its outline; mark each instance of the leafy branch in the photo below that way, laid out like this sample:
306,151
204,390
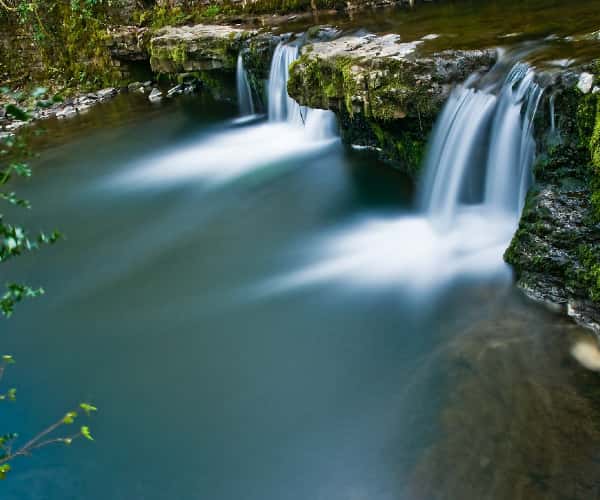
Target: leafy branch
14,242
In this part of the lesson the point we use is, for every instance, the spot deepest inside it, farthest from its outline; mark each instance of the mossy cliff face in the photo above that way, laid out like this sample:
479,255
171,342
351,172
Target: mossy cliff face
61,43
556,250
386,95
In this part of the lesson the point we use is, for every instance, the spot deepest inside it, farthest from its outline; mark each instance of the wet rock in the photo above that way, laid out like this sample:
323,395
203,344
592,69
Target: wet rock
66,112
135,86
386,94
380,76
194,48
107,93
556,249
177,90
155,96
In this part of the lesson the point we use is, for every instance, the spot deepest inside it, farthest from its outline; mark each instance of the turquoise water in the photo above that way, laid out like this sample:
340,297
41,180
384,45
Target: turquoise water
213,383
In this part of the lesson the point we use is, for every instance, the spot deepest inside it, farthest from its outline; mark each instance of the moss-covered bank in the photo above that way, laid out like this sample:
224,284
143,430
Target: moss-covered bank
556,249
387,97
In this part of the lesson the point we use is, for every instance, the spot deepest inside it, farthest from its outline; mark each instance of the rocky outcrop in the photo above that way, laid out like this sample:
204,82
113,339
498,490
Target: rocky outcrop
129,43
556,250
196,48
386,93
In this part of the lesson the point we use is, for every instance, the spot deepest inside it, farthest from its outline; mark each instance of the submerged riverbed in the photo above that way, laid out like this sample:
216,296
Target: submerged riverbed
183,303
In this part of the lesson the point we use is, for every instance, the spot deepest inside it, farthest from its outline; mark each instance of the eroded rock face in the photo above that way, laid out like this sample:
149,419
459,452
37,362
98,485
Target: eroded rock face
556,250
386,94
380,76
196,48
129,43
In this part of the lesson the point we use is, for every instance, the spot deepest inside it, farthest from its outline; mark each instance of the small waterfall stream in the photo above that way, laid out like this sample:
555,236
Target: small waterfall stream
244,92
245,146
318,124
482,149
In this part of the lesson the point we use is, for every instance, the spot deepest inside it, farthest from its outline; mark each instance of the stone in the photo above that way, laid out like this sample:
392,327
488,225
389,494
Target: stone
128,43
134,86
155,96
106,93
177,90
66,112
194,48
385,93
380,76
586,80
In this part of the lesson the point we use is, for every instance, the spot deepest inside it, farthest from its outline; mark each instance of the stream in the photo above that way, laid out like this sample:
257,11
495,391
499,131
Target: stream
262,313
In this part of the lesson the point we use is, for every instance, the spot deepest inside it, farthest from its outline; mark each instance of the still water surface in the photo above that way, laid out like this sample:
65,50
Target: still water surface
218,378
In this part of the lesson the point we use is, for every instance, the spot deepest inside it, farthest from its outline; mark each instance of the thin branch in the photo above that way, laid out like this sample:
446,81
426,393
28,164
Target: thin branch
32,443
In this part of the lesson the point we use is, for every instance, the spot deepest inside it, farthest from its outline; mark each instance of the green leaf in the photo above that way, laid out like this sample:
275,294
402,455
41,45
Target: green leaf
12,394
85,432
88,408
70,417
16,112
8,359
4,469
67,441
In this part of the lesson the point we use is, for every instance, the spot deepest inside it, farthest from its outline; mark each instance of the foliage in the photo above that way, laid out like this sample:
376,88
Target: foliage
69,41
14,242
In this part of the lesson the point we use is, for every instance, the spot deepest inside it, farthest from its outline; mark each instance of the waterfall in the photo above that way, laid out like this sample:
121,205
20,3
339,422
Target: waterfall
478,169
318,124
244,92
482,149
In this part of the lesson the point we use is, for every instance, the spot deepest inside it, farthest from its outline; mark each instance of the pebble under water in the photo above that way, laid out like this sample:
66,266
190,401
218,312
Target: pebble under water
175,305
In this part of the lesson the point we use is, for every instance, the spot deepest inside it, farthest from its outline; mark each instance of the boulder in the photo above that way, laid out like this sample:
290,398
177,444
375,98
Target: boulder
155,96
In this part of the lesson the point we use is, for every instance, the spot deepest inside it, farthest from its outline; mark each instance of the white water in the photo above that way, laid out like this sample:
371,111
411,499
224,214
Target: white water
244,92
481,136
243,148
478,170
318,124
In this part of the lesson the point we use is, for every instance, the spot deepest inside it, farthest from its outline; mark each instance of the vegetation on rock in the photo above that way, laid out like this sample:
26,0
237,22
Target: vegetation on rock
556,250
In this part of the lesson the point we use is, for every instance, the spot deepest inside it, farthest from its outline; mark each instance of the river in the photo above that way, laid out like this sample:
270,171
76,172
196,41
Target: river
236,299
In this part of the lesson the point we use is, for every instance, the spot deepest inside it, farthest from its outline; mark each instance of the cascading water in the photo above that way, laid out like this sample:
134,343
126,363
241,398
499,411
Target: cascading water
318,124
244,146
482,149
244,92
478,169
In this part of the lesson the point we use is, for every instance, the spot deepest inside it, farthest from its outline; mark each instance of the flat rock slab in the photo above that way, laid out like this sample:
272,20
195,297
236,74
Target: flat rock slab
196,48
379,76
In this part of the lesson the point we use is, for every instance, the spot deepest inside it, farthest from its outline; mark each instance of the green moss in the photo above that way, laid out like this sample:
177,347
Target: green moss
595,157
568,254
380,104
